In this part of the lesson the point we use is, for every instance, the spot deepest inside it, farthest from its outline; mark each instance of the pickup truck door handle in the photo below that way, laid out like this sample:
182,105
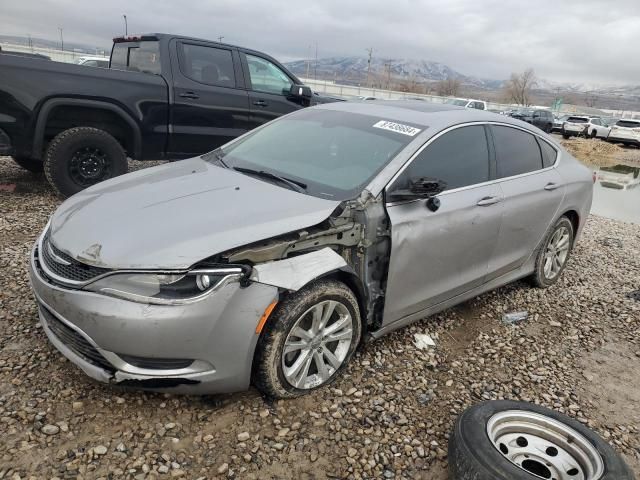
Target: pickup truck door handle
486,201
551,186
260,103
189,95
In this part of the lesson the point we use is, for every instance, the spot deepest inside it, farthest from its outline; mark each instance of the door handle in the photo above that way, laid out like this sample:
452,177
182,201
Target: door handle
551,186
486,201
189,95
260,103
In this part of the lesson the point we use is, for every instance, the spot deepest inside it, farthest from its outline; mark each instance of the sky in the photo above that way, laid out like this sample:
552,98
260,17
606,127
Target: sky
577,41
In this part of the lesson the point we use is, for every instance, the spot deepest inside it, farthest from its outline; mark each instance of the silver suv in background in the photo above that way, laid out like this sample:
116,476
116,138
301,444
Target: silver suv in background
270,259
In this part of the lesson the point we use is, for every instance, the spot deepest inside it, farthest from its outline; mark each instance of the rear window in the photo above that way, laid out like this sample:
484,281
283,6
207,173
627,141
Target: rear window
578,120
549,154
517,151
205,64
136,56
628,124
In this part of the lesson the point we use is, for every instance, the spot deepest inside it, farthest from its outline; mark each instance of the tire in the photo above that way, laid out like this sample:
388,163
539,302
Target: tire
83,156
30,164
542,278
594,133
473,455
269,364
565,136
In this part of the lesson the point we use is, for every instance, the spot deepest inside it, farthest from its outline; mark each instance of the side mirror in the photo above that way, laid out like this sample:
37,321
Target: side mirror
300,91
422,187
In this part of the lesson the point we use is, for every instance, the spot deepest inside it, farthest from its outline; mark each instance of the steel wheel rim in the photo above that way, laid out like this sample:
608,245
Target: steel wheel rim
317,344
544,447
89,165
556,252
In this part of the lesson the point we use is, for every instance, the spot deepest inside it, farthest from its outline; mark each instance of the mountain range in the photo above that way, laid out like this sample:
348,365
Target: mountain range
354,69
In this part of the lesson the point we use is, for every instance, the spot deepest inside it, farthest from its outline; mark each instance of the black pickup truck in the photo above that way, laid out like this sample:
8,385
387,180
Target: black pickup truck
163,97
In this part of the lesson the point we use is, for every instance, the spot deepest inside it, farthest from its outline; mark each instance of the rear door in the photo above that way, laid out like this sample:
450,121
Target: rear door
532,190
438,255
210,107
268,86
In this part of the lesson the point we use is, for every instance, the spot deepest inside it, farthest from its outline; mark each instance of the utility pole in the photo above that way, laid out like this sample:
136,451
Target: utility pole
126,27
370,50
315,68
61,39
220,38
388,66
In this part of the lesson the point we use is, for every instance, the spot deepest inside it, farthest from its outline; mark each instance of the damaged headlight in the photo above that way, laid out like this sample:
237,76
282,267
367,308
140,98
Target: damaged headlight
164,288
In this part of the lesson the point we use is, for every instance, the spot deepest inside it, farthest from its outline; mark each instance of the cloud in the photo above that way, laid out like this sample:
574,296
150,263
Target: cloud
580,41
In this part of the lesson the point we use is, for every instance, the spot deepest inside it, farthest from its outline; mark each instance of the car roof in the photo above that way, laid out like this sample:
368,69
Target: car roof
427,114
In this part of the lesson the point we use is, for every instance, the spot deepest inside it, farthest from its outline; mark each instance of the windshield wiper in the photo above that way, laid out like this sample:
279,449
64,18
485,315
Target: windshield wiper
217,156
294,184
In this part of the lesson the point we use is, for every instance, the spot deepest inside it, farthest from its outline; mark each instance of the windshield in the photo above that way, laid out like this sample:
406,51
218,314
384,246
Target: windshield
457,101
578,120
334,154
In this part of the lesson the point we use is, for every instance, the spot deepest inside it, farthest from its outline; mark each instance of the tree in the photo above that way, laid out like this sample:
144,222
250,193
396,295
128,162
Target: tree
518,87
448,87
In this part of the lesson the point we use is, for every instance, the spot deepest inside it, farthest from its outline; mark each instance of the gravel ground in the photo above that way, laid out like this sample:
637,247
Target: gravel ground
387,417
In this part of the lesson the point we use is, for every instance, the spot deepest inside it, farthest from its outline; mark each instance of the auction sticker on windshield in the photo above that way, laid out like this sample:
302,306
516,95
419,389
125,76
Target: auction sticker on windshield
397,127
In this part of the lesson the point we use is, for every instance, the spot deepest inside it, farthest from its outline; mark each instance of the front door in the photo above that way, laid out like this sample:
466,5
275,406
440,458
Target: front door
532,190
209,108
269,89
437,255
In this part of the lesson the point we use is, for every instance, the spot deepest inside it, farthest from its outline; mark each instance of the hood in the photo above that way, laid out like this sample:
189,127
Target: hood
174,215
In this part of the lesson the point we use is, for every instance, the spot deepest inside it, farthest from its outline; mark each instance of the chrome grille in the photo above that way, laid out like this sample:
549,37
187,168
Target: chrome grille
74,341
67,267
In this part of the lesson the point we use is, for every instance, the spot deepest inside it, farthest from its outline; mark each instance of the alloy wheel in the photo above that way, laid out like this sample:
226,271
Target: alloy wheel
317,344
556,252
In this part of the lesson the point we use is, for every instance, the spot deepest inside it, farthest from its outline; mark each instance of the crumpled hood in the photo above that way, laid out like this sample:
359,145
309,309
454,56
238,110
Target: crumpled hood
177,214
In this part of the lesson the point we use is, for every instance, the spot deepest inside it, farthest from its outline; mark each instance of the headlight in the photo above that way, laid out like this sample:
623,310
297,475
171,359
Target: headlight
164,288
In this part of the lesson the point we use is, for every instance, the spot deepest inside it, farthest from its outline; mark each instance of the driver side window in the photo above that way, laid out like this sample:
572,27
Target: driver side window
266,77
459,158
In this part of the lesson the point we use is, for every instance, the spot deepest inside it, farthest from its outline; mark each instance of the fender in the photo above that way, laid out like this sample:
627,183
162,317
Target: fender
38,137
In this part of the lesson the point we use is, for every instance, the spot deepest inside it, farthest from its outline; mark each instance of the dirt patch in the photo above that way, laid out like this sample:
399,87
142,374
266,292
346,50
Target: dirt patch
598,153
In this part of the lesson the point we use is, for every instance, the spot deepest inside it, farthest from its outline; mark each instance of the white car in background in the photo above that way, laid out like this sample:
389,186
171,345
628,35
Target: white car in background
468,103
626,131
102,62
574,126
597,128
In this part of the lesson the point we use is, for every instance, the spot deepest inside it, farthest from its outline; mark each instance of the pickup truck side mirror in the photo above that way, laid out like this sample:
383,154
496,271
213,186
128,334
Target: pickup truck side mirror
300,92
421,187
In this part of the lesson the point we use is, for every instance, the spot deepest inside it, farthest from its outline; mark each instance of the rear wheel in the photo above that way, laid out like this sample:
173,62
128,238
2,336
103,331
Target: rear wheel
565,136
308,340
83,156
31,164
554,254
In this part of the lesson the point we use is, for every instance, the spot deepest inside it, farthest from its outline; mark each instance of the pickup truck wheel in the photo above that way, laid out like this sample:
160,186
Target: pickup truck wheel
83,156
33,165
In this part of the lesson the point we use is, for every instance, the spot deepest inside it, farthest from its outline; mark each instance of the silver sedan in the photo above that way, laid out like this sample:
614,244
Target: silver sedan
270,260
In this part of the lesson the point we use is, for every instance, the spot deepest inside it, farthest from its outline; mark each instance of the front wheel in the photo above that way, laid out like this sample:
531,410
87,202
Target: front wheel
30,164
565,136
507,440
308,340
83,156
554,254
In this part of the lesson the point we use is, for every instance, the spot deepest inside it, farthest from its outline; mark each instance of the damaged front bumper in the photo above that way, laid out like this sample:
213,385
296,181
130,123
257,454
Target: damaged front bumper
202,347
